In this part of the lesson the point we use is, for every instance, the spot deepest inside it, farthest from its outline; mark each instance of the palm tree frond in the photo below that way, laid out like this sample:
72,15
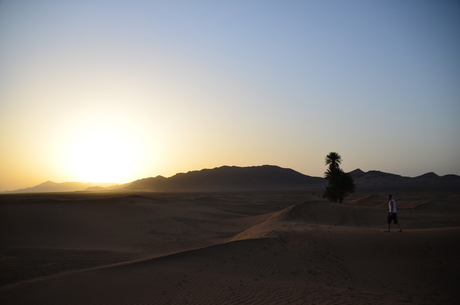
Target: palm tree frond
333,159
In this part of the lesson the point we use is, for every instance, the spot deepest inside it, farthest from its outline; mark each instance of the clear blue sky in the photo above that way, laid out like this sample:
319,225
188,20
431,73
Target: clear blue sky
122,90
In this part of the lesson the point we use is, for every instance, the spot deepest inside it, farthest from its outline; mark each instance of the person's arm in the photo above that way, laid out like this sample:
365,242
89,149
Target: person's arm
391,206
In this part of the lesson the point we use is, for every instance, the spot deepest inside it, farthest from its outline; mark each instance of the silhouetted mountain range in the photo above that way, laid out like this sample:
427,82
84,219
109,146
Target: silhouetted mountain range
50,186
269,177
266,177
380,180
227,178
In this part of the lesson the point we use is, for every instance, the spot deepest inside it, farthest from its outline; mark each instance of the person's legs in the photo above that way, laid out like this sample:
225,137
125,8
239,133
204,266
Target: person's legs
396,222
389,222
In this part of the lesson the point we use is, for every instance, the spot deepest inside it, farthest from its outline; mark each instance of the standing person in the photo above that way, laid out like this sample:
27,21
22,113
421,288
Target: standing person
392,213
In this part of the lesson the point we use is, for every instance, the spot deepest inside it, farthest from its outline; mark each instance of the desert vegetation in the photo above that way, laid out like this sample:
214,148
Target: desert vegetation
340,184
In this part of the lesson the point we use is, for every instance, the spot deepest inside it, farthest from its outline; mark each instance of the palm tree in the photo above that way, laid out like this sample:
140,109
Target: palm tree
340,184
333,159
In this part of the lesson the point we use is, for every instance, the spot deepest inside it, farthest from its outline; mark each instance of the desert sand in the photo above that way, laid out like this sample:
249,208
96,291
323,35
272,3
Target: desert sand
228,248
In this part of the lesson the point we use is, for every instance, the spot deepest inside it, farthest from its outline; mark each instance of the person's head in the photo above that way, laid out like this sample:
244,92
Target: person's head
390,197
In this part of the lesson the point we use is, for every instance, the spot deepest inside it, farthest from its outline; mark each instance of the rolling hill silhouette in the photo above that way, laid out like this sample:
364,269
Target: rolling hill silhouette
270,177
266,177
379,180
50,186
229,178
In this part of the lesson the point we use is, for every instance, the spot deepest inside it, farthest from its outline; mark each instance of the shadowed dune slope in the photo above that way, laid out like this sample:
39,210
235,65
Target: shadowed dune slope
373,200
438,206
321,264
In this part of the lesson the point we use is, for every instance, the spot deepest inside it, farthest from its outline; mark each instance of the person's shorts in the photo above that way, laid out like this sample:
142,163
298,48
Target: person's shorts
394,217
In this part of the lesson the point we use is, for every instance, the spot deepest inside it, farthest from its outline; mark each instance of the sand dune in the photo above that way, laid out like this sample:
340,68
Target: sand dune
372,200
228,248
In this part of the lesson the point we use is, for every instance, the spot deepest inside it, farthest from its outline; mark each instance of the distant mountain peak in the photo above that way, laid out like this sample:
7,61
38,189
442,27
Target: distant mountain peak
357,173
49,182
429,175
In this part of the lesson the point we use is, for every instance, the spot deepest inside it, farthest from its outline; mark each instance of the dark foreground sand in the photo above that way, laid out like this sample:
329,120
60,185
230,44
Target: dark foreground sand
233,248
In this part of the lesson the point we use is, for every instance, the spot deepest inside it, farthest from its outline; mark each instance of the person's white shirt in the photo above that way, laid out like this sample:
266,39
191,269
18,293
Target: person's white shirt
394,206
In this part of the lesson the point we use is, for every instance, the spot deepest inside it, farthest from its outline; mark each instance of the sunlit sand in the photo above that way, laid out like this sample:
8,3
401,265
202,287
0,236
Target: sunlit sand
228,248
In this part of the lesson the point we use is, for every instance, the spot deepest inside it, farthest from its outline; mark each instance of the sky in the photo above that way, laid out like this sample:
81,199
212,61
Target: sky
117,91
